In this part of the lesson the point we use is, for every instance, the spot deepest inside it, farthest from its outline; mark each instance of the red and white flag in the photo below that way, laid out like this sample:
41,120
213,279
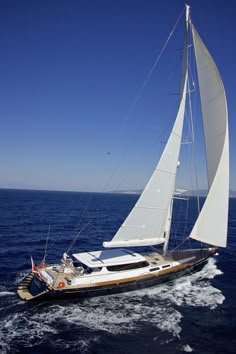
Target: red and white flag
35,269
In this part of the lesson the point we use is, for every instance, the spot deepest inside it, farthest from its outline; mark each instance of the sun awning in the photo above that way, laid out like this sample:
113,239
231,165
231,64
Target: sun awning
106,258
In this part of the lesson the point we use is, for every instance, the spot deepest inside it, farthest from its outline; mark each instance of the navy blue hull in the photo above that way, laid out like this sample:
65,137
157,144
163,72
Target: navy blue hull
122,287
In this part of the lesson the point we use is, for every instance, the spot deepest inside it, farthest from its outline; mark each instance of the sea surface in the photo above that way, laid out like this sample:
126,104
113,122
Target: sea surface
196,313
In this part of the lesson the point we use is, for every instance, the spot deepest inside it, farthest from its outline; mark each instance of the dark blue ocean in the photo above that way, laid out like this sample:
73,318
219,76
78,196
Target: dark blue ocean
194,314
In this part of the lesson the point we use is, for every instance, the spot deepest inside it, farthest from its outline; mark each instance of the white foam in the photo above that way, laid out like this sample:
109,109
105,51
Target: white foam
187,348
158,307
193,290
196,289
6,293
21,276
82,346
24,328
104,314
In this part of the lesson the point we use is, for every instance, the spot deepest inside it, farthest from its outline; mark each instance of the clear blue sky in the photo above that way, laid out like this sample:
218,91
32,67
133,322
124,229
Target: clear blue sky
69,73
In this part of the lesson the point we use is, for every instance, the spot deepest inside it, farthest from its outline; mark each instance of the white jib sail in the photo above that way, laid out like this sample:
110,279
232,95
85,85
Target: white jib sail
211,225
146,223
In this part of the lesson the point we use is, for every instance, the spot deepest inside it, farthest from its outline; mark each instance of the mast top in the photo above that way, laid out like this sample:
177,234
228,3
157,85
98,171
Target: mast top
187,12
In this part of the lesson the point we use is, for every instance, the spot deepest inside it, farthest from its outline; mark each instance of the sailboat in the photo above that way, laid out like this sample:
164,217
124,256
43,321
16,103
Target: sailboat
116,268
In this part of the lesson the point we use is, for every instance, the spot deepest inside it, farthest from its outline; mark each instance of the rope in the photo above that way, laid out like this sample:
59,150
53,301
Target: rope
154,65
177,246
46,246
79,223
76,238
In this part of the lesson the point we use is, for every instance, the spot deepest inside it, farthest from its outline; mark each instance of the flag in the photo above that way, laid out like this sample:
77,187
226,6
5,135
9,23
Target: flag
35,269
42,265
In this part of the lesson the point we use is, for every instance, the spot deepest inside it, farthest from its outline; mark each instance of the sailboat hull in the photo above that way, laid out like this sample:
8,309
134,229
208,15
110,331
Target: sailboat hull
37,290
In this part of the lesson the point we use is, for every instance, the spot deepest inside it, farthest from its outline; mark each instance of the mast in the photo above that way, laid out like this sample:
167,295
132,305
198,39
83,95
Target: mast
183,83
167,230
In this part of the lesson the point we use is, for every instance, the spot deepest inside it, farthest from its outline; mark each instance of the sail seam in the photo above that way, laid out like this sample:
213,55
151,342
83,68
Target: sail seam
176,134
165,171
146,207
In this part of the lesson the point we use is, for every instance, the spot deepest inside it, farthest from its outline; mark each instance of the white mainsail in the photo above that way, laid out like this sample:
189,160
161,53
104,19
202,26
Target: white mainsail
211,225
146,223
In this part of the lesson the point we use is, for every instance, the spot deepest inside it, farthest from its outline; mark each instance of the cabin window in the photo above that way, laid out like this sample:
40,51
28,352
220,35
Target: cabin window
120,267
78,264
165,266
91,270
153,269
98,269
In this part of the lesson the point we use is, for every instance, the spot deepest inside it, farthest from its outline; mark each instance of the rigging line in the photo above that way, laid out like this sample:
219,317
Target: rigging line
192,113
60,233
177,221
186,217
151,71
139,95
194,150
84,211
152,144
177,246
80,221
71,213
154,65
115,170
76,238
188,154
192,78
46,246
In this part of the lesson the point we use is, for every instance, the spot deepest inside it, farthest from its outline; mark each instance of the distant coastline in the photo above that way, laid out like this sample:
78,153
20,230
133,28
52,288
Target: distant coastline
201,192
